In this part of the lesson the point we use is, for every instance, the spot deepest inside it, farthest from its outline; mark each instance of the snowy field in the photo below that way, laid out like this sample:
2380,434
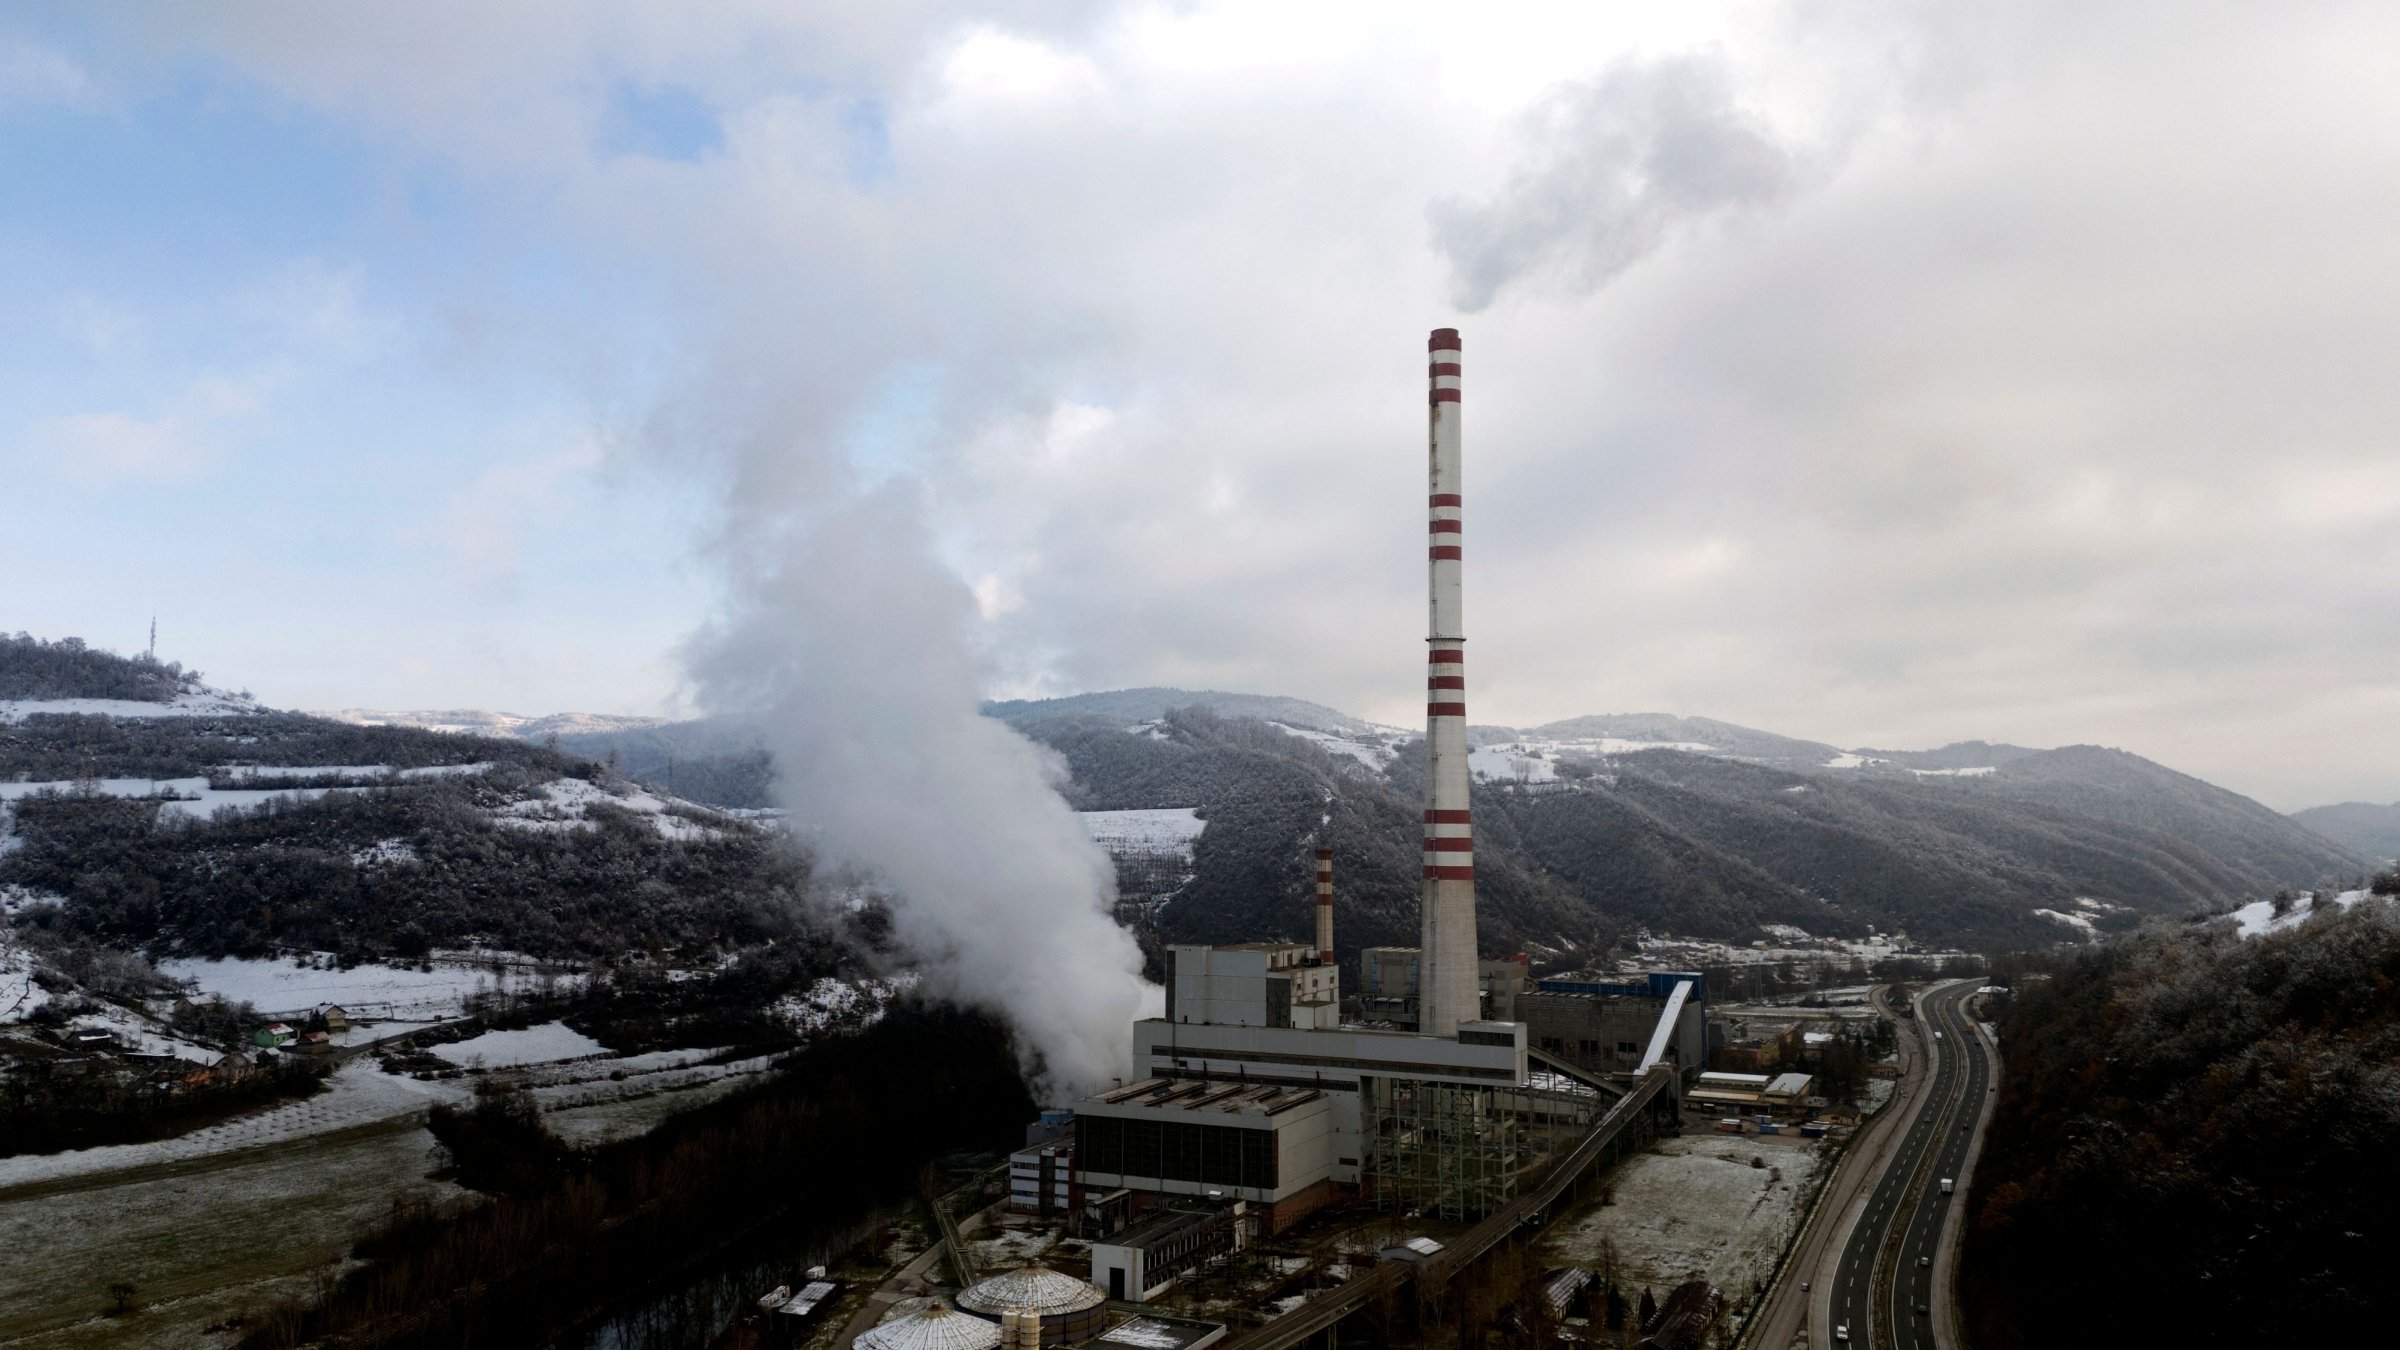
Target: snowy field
201,703
1694,1203
832,1002
565,804
199,1244
188,798
1373,748
1170,830
2078,922
2259,917
19,995
394,993
358,1094
1514,763
544,1044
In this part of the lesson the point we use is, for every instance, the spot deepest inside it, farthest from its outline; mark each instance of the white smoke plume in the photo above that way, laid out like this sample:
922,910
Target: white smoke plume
852,645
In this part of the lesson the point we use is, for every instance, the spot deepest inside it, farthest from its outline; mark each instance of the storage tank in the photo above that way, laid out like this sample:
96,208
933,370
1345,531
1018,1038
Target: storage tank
934,1328
1069,1309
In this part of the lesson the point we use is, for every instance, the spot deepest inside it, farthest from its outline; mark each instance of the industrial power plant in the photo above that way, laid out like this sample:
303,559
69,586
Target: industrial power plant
1449,1090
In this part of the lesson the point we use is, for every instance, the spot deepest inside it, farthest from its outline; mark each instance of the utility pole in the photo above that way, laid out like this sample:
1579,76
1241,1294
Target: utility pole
154,638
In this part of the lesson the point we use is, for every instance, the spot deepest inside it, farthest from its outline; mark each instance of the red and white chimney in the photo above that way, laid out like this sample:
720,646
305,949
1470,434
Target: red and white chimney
1446,982
1325,905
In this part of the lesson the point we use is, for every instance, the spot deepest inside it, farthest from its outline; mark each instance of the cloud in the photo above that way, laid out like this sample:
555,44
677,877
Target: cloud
1621,163
1882,372
35,75
109,448
488,522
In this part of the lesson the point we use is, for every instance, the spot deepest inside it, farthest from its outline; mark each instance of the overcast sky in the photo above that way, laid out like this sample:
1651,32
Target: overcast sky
1876,372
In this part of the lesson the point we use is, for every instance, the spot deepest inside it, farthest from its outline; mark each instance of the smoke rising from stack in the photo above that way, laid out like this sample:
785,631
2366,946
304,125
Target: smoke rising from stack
852,646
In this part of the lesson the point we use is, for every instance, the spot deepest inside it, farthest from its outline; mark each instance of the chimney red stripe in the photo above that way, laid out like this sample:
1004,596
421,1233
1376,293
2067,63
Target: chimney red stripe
1443,340
1445,527
1446,499
1450,873
1447,817
1445,396
1446,682
1445,710
1446,656
1447,844
1441,551
1444,368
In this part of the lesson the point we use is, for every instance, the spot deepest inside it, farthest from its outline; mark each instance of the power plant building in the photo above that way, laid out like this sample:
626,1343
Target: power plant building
1610,1024
1250,1088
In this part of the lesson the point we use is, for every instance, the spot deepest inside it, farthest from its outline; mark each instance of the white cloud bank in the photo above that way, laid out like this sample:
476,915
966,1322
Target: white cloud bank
1881,372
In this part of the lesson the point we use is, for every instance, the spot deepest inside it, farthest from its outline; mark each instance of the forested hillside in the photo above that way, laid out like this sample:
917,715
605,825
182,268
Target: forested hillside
2192,1143
1696,844
33,669
210,834
2368,828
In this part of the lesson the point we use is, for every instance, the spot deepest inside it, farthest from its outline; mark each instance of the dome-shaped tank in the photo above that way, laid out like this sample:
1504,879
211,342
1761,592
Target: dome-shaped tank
934,1328
1070,1309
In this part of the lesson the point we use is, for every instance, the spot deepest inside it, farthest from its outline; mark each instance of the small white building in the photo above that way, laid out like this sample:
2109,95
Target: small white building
1253,984
1142,1262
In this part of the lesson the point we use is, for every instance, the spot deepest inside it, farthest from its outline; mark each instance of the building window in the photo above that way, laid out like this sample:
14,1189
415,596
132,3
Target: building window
1591,1047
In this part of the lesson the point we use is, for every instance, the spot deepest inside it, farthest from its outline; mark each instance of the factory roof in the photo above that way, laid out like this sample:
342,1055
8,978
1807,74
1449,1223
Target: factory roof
934,1328
1033,1289
1159,1228
1153,1332
1194,1094
1789,1085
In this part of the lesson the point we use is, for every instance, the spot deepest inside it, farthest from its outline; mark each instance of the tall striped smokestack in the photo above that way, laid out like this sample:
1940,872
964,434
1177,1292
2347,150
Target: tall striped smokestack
1446,980
1325,905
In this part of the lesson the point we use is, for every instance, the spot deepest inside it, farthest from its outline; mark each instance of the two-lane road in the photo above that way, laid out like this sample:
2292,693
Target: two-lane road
1883,1281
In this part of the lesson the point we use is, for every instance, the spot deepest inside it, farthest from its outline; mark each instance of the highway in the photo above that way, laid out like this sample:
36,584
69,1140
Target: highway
1885,1272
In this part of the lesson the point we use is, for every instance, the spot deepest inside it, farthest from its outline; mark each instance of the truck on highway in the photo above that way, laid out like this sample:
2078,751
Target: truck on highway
1949,1186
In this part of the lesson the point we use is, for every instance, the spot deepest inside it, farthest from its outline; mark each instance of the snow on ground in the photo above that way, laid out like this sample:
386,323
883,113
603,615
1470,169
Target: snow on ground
195,799
1979,771
383,852
2077,922
142,1036
831,1002
1618,745
308,771
2100,906
1167,830
1512,763
2259,916
387,992
189,798
566,802
207,1245
1694,1203
1374,749
543,1044
19,995
358,1094
193,703
1846,760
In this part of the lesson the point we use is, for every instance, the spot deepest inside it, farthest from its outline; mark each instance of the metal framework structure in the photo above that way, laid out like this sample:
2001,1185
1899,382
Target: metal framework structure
1443,1149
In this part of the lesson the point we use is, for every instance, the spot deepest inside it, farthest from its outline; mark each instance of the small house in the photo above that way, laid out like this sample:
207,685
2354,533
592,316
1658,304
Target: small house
336,1018
315,1042
271,1035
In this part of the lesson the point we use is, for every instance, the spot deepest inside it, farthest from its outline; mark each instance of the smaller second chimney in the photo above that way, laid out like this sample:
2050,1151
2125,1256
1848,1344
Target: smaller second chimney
1325,905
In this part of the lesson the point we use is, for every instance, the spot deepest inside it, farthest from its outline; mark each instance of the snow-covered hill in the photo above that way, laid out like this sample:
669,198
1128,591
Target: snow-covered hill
197,702
480,722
